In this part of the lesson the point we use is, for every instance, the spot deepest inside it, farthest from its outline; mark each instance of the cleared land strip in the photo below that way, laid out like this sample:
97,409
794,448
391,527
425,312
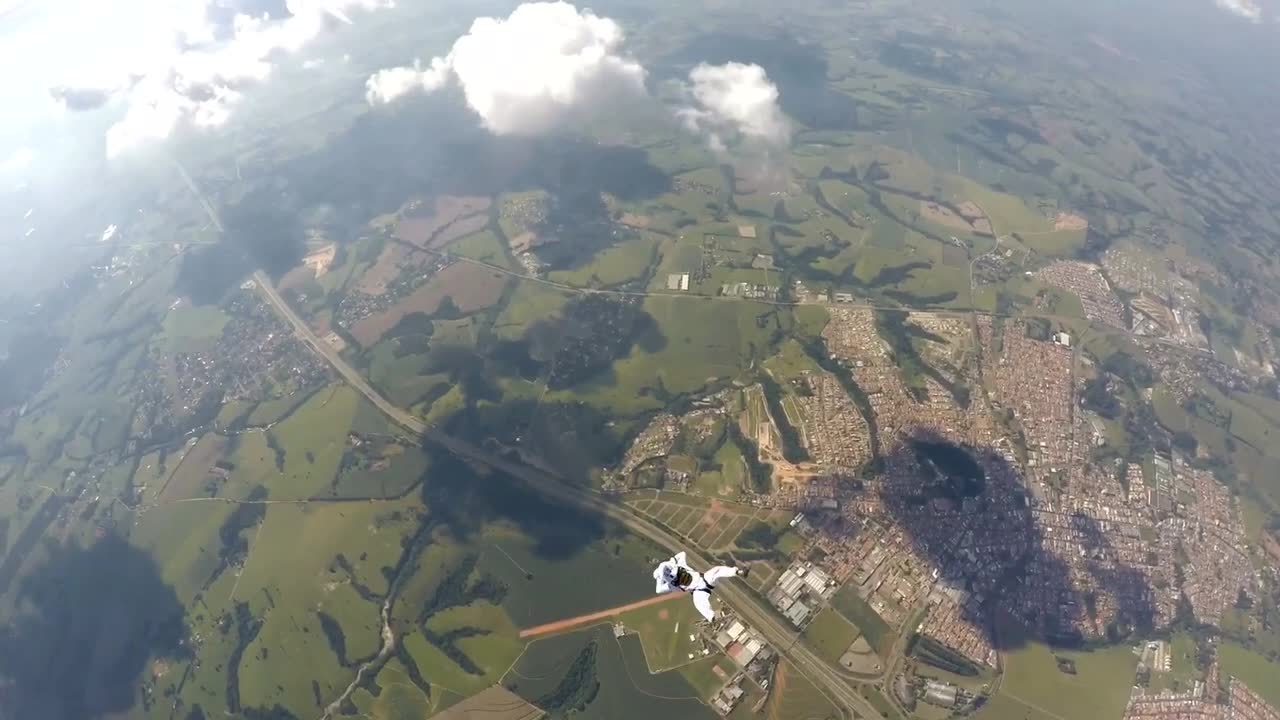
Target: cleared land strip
573,622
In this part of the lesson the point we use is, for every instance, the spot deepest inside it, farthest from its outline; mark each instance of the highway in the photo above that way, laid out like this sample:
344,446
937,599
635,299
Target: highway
783,637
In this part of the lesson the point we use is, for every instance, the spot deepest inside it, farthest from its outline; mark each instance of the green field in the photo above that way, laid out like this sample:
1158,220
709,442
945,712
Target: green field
830,635
667,632
1252,669
1182,668
1099,689
702,676
398,697
313,440
793,696
626,689
486,247
193,328
703,341
616,563
619,264
274,410
857,611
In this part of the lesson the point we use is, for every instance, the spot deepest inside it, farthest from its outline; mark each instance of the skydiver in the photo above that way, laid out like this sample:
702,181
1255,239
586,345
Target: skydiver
675,574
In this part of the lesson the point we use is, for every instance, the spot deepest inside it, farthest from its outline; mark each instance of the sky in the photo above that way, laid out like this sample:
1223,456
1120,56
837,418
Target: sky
156,66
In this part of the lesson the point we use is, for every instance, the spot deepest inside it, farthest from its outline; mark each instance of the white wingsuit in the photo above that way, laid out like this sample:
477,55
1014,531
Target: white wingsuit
700,587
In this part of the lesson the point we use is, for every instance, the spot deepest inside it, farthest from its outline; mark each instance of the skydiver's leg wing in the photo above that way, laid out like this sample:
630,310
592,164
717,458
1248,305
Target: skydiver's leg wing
719,572
702,601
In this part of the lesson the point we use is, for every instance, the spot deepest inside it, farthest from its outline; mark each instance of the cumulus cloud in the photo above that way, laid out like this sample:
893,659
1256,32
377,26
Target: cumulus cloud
735,103
78,99
1247,9
390,83
545,64
194,61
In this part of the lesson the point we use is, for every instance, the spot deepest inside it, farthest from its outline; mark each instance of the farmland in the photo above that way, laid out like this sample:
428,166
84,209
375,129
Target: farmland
464,288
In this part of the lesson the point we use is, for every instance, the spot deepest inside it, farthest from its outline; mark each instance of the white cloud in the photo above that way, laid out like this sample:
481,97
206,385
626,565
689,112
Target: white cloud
19,160
1247,9
390,83
528,73
735,102
178,66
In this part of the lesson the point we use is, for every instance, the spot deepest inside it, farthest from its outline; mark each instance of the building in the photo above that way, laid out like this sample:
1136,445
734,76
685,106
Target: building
1062,339
797,613
678,281
940,693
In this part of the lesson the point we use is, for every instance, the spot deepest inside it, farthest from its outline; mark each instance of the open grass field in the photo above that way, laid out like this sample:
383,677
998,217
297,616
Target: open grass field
398,696
1182,667
187,475
486,247
830,635
313,440
192,328
401,375
183,538
1099,689
794,697
708,674
704,342
857,611
286,589
529,302
1251,669
620,264
617,566
627,691
492,652
275,409
667,632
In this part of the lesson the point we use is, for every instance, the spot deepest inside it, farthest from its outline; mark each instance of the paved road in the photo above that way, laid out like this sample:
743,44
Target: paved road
777,632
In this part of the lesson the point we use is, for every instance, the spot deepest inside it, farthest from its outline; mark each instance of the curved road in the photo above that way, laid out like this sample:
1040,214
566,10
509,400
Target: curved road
782,636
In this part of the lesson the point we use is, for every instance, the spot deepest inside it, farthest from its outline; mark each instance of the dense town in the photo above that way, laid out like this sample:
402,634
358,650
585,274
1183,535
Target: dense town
1074,547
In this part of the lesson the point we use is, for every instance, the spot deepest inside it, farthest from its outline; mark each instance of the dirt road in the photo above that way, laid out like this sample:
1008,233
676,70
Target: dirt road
567,623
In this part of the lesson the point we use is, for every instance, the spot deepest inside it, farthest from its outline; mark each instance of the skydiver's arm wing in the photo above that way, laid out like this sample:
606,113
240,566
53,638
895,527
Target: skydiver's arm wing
702,601
679,558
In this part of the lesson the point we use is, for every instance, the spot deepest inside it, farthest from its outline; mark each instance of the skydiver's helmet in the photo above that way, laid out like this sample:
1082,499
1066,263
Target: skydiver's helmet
683,578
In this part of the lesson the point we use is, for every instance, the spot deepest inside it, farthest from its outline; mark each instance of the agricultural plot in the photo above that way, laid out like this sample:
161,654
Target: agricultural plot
714,526
459,289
